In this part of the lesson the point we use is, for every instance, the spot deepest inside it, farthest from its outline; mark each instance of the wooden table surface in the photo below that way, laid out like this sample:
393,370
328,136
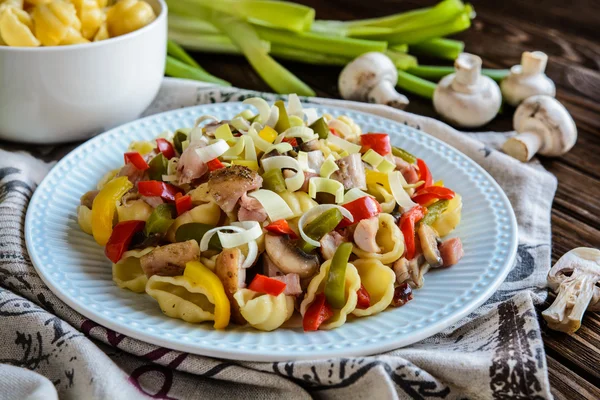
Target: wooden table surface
568,33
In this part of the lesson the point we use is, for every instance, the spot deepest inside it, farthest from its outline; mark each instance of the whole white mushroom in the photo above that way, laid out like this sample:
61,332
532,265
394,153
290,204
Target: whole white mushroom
372,77
544,126
466,98
527,79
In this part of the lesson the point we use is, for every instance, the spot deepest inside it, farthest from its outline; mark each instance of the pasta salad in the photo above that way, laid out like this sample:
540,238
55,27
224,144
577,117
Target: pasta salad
271,213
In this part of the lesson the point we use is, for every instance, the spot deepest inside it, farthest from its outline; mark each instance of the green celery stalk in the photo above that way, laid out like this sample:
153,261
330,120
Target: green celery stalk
274,74
209,43
415,85
439,47
435,73
310,41
305,56
401,60
176,51
191,24
178,69
275,14
418,35
401,48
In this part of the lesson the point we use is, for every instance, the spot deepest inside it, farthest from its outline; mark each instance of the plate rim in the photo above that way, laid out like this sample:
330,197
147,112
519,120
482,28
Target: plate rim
364,349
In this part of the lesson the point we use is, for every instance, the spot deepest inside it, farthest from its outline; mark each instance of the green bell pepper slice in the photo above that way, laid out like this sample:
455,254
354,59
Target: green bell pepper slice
196,231
434,211
160,220
320,128
336,278
158,167
273,180
320,226
403,154
180,136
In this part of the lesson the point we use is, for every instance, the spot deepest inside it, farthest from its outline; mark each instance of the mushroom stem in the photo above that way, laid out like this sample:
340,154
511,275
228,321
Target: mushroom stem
523,146
385,93
533,62
468,70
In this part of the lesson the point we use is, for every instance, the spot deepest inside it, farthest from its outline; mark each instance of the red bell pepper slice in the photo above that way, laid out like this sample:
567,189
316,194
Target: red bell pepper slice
361,208
317,313
120,238
407,226
182,203
334,132
281,227
166,148
155,188
424,173
379,142
136,159
291,140
430,193
215,164
264,284
363,298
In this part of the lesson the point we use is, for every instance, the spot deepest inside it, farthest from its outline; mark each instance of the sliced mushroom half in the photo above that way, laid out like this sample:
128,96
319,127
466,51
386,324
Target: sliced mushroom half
429,245
228,268
289,258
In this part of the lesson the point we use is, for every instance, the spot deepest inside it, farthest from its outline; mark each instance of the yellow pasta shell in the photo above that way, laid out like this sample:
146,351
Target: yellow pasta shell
127,16
378,280
264,312
128,273
15,28
390,240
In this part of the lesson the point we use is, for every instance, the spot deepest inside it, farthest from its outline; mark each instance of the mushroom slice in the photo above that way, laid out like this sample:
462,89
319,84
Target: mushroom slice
228,267
365,235
429,238
574,278
289,258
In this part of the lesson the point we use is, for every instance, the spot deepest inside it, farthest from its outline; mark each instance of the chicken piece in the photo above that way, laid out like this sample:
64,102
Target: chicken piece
315,160
228,267
365,235
292,284
190,166
227,185
329,244
451,251
251,210
88,198
307,176
132,173
408,171
351,173
170,260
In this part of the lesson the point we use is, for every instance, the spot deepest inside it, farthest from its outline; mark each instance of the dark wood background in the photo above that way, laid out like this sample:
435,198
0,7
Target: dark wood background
568,31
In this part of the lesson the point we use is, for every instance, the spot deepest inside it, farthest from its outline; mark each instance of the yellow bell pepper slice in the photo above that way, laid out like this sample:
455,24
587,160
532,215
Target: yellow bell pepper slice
253,165
267,133
105,206
201,275
378,178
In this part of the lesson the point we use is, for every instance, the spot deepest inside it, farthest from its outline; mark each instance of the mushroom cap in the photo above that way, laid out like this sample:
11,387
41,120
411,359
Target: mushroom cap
582,258
527,79
289,258
546,117
360,76
477,106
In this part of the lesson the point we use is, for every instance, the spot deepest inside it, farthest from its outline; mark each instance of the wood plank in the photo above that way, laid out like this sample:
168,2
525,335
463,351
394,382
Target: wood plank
566,385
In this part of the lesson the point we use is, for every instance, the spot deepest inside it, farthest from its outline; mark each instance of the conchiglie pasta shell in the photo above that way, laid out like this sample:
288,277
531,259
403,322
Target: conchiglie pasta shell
53,20
15,28
317,285
390,240
208,213
201,194
137,210
84,219
378,280
450,218
180,298
128,273
264,312
128,16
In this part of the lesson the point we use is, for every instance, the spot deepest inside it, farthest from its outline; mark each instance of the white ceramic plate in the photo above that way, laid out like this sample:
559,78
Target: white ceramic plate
75,269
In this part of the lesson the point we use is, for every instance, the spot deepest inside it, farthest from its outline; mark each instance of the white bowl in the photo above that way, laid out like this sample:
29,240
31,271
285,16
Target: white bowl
66,93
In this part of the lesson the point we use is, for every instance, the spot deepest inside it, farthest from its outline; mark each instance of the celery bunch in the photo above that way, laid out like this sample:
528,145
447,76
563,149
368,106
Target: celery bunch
263,29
